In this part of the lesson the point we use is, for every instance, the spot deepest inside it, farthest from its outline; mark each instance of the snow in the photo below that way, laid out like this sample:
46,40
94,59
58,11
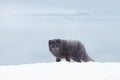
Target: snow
62,71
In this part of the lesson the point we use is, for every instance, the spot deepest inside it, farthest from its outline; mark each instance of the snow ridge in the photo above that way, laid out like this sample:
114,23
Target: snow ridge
61,71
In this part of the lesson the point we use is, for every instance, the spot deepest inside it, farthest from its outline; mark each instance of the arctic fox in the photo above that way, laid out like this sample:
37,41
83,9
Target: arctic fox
67,49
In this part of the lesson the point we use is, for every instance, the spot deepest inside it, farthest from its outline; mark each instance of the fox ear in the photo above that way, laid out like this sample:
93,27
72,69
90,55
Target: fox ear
58,40
50,41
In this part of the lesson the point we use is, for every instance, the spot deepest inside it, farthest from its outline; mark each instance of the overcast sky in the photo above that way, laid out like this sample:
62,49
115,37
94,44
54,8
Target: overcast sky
24,38
94,7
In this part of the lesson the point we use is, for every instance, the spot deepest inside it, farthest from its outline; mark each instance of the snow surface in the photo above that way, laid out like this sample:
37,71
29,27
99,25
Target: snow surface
61,71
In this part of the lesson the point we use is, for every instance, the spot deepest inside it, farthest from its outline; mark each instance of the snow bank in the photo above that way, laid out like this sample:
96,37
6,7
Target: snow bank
61,71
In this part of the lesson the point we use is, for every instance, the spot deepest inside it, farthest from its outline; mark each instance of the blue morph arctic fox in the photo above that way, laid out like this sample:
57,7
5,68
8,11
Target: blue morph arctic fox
68,49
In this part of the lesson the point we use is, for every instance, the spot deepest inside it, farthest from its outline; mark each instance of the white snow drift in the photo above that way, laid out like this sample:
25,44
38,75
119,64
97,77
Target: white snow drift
61,71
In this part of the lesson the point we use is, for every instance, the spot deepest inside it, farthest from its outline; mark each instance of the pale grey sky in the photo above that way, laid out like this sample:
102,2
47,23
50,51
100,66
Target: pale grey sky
23,39
94,7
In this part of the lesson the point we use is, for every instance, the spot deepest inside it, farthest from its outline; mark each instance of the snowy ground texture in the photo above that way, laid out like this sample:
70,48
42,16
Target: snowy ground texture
62,71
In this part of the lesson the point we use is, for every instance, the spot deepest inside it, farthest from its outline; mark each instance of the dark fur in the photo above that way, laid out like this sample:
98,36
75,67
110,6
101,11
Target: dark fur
68,49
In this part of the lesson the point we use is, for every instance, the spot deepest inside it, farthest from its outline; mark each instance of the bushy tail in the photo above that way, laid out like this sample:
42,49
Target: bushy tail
87,58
